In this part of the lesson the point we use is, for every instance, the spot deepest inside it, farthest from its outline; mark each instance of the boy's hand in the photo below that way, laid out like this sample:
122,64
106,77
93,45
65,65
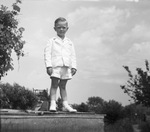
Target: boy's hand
49,70
73,71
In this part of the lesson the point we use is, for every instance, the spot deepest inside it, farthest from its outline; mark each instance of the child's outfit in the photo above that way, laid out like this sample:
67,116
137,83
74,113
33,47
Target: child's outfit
62,72
60,55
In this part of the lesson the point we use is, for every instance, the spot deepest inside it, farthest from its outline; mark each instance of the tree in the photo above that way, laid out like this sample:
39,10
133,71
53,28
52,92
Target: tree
10,37
17,97
83,107
135,112
129,111
4,101
113,111
95,104
138,86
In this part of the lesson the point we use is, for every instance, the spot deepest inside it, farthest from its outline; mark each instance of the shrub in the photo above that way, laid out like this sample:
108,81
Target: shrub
59,104
81,107
123,125
19,97
113,111
144,126
4,101
95,104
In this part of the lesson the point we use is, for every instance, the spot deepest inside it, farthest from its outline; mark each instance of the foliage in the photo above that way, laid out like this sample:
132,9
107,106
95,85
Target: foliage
4,101
83,107
95,104
144,126
43,95
59,104
113,111
18,96
138,86
148,111
129,111
135,112
123,125
10,37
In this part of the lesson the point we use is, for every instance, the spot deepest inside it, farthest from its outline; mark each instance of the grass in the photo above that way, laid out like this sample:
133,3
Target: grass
124,125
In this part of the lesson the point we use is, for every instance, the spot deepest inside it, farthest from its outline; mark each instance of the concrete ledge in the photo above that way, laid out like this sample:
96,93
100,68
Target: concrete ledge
52,122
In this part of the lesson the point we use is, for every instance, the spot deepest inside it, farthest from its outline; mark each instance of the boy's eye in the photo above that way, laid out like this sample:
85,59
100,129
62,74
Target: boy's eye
61,27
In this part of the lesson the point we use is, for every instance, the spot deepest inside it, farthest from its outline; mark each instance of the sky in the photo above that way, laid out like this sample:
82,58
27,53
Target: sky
107,35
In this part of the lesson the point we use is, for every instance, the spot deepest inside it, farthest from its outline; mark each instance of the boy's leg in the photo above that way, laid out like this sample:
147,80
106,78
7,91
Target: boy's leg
53,90
63,93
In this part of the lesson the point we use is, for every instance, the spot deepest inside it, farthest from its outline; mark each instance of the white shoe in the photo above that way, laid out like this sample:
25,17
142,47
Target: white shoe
68,108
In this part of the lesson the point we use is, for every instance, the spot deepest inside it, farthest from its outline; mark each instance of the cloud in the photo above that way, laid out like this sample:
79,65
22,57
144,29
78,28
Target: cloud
104,0
132,0
99,27
35,76
142,31
105,42
34,35
138,53
93,17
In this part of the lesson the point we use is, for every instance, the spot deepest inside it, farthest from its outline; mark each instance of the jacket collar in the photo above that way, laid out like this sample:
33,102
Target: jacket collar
57,37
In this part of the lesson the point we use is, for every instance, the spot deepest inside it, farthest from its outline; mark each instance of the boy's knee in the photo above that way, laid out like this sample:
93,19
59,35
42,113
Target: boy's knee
55,83
62,86
54,86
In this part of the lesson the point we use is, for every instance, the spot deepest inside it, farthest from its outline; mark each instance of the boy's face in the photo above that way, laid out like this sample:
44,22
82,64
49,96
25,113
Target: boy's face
61,28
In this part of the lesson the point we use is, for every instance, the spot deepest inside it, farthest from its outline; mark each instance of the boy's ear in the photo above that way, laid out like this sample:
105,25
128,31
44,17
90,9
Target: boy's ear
55,28
67,28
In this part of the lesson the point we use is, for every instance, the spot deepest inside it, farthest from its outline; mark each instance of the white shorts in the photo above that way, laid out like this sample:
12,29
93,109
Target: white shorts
62,72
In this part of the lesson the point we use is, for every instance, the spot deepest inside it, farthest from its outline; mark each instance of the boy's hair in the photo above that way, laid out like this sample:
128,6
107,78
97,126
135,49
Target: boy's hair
60,19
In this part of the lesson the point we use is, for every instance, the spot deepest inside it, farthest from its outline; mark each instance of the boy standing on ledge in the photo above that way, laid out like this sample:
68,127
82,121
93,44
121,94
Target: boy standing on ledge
60,60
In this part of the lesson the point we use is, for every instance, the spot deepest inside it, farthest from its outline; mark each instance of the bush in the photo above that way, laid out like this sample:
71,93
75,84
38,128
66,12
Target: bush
18,97
81,107
4,101
144,126
59,104
123,125
129,111
95,104
113,111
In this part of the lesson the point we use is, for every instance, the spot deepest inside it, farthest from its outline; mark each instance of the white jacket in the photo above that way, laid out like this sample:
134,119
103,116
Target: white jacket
60,52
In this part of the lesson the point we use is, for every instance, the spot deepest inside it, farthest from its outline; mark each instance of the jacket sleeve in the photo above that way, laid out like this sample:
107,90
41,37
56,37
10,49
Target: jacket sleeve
73,58
48,54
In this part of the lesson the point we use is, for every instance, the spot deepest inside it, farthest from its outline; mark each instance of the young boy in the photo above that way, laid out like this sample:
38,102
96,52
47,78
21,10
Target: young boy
60,60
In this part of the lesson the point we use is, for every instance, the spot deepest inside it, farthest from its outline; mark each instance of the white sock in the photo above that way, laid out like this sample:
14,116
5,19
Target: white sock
53,105
65,103
53,102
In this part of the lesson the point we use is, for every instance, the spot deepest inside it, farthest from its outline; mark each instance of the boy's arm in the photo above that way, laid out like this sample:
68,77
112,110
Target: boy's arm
48,54
49,70
73,58
73,71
